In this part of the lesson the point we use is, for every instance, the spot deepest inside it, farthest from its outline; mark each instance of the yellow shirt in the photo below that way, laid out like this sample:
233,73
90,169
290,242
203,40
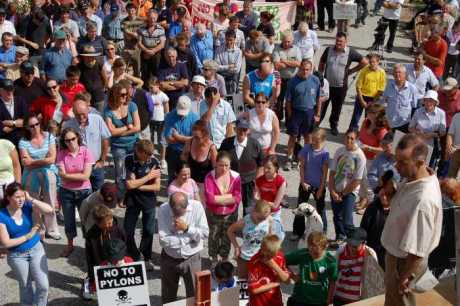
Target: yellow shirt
371,82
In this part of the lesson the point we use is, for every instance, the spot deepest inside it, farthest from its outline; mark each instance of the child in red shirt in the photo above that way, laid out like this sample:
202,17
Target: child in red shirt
267,269
271,186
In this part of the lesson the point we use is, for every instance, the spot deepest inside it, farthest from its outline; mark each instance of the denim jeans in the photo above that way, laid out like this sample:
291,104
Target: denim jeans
298,227
97,178
357,112
31,266
343,216
119,155
173,160
71,199
148,228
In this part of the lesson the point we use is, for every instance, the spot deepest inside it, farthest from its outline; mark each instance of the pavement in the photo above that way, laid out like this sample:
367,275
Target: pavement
66,274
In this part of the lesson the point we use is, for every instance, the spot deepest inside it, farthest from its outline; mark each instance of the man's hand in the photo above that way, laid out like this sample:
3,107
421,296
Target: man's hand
335,196
154,173
319,193
180,225
9,123
270,263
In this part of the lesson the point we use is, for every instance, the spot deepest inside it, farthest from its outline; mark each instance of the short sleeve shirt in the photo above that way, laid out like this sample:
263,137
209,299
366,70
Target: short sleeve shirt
454,130
269,189
176,73
291,54
122,141
303,93
337,64
348,166
313,163
75,164
223,114
393,14
183,126
134,168
152,39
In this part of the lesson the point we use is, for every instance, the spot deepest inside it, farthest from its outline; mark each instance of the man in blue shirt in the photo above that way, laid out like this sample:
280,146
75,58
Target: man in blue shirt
111,29
57,59
202,45
303,107
7,52
178,130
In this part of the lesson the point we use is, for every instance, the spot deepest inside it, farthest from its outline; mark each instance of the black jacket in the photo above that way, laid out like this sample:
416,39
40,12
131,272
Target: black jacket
20,112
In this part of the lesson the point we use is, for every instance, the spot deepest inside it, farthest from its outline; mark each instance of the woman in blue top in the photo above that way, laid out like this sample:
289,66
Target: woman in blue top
26,256
260,80
123,121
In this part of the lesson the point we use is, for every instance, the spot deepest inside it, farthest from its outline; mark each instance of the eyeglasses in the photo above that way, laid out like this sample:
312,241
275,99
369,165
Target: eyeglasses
52,87
70,140
261,101
31,126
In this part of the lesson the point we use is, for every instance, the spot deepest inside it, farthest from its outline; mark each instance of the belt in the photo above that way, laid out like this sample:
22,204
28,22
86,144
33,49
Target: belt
182,259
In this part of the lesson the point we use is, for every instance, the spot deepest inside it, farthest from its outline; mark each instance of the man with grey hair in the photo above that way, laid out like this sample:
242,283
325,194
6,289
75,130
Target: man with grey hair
413,226
306,40
202,45
434,51
400,98
182,227
173,77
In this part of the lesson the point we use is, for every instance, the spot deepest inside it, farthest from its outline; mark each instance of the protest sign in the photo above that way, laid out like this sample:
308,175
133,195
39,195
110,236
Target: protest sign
284,12
344,11
124,285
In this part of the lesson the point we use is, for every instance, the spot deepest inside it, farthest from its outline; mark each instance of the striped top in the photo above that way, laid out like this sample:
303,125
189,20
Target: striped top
350,274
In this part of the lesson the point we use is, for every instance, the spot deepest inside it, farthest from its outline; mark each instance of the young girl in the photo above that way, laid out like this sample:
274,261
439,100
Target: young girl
160,109
267,269
184,183
314,159
271,187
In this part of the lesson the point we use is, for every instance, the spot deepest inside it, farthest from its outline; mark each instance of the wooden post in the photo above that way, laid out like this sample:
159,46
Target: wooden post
457,252
203,288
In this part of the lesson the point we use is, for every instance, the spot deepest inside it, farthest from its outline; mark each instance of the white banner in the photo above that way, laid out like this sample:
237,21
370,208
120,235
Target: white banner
344,11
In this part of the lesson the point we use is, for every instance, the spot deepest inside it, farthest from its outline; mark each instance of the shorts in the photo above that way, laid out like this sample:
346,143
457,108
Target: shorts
157,127
300,123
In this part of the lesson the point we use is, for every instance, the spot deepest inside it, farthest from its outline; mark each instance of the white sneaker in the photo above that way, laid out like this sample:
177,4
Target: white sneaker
164,164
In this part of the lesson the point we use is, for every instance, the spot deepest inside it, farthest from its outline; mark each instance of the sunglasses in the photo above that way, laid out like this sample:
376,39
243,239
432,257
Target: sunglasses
123,94
261,101
52,87
70,140
31,126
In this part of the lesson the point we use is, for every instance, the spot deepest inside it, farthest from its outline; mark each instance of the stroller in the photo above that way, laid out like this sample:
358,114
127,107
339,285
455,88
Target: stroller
379,40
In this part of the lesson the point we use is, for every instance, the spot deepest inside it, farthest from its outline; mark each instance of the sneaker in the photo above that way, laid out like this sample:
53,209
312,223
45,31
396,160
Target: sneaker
334,131
54,236
164,164
149,265
288,165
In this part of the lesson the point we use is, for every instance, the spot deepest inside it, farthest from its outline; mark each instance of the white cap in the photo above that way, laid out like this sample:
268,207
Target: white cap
184,104
431,94
199,79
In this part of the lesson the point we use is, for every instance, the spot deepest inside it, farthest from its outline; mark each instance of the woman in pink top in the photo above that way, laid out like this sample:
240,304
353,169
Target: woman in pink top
222,195
184,183
75,163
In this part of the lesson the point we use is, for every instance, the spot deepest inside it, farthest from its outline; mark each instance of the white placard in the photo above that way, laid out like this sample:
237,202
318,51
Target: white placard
125,285
344,11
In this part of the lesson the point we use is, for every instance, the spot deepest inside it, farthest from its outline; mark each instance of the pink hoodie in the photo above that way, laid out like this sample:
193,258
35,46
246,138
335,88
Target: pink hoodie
211,190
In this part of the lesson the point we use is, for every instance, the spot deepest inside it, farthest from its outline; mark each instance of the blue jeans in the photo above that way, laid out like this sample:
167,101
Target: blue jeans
377,6
71,199
97,178
31,266
357,112
343,216
148,228
119,155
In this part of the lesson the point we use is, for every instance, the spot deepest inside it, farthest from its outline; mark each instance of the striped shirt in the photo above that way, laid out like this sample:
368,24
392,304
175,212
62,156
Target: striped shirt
151,39
350,274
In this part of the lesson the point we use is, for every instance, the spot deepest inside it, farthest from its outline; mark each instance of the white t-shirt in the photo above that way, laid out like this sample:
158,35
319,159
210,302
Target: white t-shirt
454,130
393,13
7,26
348,166
159,101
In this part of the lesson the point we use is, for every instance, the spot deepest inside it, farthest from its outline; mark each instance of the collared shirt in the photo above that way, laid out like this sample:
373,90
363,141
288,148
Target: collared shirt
382,163
82,24
239,43
454,130
56,62
291,54
195,102
70,24
92,134
75,164
451,105
178,244
202,48
7,57
414,223
399,103
223,115
393,14
421,79
151,39
226,56
429,122
112,28
308,44
183,126
337,64
239,146
303,93
7,26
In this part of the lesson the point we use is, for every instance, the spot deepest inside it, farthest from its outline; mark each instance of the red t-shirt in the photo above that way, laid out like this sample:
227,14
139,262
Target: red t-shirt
269,189
259,275
71,92
372,139
437,49
45,106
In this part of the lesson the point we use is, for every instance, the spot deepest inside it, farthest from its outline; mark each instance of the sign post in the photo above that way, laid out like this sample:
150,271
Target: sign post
124,285
344,11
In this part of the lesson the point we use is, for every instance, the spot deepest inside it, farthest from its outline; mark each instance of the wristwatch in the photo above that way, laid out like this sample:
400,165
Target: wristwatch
14,123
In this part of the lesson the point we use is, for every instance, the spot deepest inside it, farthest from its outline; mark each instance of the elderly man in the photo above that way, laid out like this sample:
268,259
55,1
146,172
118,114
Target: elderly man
7,52
111,29
183,228
202,45
212,78
421,76
286,59
196,93
229,58
173,77
151,40
400,97
29,86
95,136
57,59
12,71
92,76
247,17
219,115
413,226
306,40
335,64
12,112
434,51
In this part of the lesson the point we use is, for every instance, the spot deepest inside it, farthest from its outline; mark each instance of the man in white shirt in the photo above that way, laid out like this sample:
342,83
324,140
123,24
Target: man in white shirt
5,25
453,146
306,40
413,226
391,14
182,227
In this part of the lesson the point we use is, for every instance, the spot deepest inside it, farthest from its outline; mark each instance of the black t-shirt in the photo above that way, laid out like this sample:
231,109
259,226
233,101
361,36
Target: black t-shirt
133,167
267,30
38,32
186,57
92,79
140,98
30,93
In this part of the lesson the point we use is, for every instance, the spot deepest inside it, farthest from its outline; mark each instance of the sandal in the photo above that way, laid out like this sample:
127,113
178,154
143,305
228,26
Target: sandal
67,251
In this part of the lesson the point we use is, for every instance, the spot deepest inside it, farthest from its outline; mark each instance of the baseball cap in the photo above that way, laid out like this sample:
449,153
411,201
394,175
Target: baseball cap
450,84
114,249
114,7
431,94
60,34
27,67
199,79
7,84
109,193
183,106
358,236
242,123
22,50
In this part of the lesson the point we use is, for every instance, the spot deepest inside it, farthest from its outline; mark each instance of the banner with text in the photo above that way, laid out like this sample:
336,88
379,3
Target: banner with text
284,12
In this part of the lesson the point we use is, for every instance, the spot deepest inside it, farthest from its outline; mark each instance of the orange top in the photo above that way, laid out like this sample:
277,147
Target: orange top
437,49
143,7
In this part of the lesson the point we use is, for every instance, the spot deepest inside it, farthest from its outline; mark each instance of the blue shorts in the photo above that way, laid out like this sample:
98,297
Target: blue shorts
301,122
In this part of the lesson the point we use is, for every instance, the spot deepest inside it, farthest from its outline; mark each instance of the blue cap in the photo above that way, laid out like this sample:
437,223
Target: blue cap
114,7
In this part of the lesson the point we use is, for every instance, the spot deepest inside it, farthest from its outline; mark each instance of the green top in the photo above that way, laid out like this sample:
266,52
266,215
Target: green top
313,285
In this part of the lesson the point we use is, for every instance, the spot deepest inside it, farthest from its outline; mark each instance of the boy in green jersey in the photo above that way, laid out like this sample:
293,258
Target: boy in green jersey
315,283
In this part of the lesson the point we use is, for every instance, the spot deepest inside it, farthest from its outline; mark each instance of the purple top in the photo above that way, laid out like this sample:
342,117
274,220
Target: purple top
314,162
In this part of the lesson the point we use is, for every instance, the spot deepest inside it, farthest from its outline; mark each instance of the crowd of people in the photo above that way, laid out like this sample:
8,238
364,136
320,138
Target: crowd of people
86,87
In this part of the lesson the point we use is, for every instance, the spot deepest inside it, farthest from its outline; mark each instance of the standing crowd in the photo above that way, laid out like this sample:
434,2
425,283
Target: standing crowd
135,87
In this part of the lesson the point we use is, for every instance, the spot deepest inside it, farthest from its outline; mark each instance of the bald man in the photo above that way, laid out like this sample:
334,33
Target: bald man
95,136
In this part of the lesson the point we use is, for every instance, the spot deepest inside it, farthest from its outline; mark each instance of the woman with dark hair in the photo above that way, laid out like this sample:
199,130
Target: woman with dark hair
26,256
119,73
200,152
122,118
261,80
222,188
38,155
75,163
184,183
266,26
